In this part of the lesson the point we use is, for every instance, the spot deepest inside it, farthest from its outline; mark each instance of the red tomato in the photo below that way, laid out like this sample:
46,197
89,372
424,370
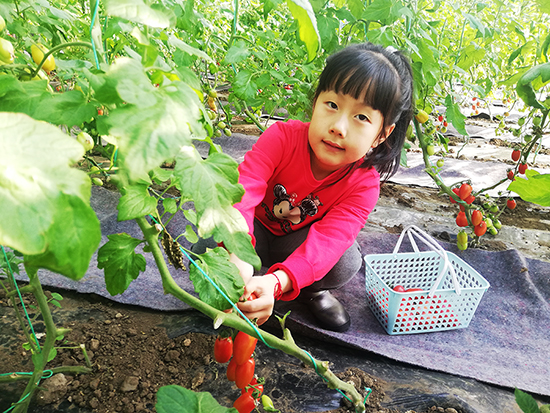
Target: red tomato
456,191
440,118
510,175
511,204
465,191
477,217
245,403
231,370
243,347
399,288
445,123
480,229
461,219
413,290
470,200
522,168
516,153
254,389
223,349
244,373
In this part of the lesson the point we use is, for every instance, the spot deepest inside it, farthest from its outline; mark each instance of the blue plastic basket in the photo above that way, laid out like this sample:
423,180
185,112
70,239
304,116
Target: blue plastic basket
451,288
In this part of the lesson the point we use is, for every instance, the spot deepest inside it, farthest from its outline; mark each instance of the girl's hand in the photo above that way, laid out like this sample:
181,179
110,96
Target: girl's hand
261,307
245,269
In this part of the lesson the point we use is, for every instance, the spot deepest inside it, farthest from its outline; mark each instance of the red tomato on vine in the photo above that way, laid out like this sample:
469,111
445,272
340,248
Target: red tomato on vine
516,153
245,403
243,347
477,217
456,191
465,191
223,349
480,229
244,373
510,175
511,204
461,219
231,370
522,168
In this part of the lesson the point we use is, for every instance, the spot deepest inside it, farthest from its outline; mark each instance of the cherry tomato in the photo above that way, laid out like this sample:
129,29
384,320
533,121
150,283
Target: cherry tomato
477,217
511,204
480,229
254,388
462,237
461,219
399,288
440,118
245,403
522,168
430,150
231,370
244,373
515,155
510,175
470,199
243,347
223,349
421,116
465,191
456,191
413,290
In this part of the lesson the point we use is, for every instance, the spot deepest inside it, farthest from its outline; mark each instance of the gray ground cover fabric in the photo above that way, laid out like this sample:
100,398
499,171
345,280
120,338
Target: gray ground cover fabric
506,343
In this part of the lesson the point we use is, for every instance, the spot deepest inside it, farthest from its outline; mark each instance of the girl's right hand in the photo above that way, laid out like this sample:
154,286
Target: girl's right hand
245,269
258,298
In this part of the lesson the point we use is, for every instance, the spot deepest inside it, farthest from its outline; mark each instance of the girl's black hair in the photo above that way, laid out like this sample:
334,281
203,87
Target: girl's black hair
383,78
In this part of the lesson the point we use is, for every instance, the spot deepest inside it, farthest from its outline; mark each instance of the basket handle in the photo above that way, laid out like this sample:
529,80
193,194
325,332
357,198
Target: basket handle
434,246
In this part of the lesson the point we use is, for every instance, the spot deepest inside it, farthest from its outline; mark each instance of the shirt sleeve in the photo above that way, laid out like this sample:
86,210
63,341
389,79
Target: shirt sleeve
330,237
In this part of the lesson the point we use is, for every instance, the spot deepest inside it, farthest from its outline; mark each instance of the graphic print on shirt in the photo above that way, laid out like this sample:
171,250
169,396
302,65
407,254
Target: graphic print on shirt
287,211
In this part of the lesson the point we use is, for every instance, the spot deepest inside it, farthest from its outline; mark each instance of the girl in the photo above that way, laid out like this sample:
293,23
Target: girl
309,187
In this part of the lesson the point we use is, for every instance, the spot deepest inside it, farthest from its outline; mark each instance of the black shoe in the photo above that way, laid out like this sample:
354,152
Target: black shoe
328,311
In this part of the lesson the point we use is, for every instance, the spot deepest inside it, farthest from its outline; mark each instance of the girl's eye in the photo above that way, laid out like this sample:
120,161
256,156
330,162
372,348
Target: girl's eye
332,105
363,118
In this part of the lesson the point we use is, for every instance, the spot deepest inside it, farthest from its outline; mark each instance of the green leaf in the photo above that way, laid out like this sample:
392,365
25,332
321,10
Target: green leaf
52,355
148,135
139,12
136,202
455,116
526,402
57,296
237,53
193,51
303,12
469,55
536,188
378,10
170,205
475,23
213,185
225,275
176,399
56,303
45,206
245,88
525,89
12,260
122,265
544,6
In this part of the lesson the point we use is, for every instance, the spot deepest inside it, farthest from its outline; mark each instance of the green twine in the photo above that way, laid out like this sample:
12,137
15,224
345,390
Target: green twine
44,376
91,35
20,298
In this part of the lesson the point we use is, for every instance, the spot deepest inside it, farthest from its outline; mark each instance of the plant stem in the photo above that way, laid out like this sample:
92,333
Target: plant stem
55,370
234,321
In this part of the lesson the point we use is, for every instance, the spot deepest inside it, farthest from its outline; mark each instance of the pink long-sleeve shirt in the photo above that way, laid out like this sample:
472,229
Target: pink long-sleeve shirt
281,191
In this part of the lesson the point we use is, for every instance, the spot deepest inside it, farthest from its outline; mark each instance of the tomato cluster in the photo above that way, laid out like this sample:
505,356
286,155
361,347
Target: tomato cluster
239,353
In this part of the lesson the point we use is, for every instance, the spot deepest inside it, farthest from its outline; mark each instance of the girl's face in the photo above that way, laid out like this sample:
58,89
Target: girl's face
342,131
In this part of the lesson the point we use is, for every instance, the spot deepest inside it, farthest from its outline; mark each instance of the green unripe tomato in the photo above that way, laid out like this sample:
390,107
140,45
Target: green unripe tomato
462,247
493,208
497,224
462,237
222,125
521,121
409,133
545,408
493,230
430,130
213,68
527,138
227,132
443,129
217,133
212,93
94,170
211,115
7,53
440,163
85,140
430,150
97,181
489,222
537,120
2,23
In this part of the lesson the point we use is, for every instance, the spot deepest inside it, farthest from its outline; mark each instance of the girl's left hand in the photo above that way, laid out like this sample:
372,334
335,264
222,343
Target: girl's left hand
261,307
